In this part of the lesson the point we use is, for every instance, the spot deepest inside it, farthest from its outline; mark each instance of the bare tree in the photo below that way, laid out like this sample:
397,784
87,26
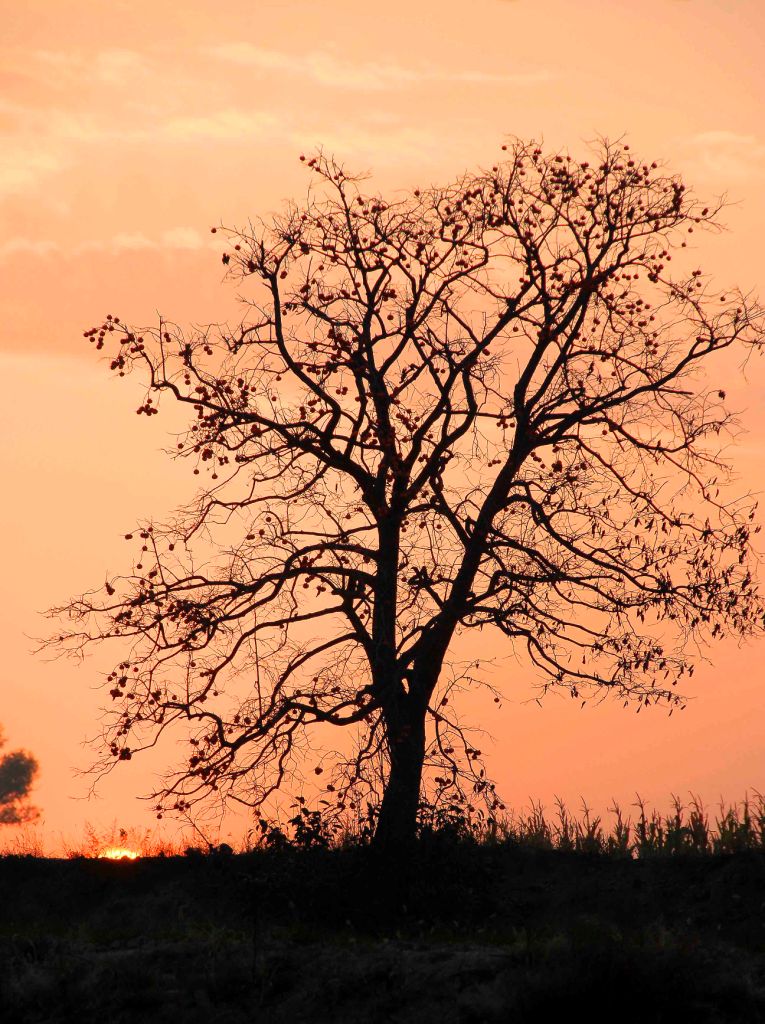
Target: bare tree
17,774
470,406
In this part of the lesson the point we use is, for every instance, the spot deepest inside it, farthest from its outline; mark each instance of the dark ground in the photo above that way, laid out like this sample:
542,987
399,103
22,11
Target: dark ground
471,934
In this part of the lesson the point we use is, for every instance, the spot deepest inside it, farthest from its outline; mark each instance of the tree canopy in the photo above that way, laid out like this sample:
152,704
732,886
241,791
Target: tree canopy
470,406
18,770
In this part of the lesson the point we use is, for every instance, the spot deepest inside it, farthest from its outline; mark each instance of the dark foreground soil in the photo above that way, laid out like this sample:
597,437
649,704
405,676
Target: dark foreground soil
465,934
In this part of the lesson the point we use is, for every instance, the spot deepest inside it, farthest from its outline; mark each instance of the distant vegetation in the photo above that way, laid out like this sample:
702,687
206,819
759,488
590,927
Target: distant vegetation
17,774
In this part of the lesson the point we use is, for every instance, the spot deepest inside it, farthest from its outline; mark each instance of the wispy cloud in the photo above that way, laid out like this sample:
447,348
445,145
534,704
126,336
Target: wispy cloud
53,123
43,140
23,166
727,154
118,97
222,124
28,247
326,69
38,143
59,68
381,144
121,67
184,239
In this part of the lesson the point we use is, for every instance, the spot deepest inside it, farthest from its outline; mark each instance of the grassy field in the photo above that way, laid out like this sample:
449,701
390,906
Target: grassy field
648,922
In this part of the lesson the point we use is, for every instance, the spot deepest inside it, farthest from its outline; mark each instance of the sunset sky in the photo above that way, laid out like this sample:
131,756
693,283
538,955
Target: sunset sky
128,129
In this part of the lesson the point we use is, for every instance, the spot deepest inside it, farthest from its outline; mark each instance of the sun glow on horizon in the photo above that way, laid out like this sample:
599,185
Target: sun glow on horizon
118,853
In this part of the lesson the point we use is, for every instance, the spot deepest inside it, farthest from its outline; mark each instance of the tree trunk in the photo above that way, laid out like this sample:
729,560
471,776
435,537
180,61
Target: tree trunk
397,825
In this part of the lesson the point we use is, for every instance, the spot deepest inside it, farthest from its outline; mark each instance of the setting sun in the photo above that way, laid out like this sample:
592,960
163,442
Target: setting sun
118,853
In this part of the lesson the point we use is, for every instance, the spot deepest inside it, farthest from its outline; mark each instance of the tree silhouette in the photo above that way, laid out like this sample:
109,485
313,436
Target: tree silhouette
17,774
475,405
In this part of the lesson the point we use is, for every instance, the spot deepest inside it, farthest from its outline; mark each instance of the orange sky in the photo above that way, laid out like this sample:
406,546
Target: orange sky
127,129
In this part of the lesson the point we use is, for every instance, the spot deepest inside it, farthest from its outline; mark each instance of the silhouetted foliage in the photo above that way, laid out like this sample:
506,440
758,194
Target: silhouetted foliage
474,405
492,931
17,774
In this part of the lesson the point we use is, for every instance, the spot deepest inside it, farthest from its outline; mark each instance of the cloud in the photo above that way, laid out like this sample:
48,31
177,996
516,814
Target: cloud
120,67
59,68
124,242
28,247
35,144
326,69
727,154
40,140
223,124
185,239
380,145
171,239
24,166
